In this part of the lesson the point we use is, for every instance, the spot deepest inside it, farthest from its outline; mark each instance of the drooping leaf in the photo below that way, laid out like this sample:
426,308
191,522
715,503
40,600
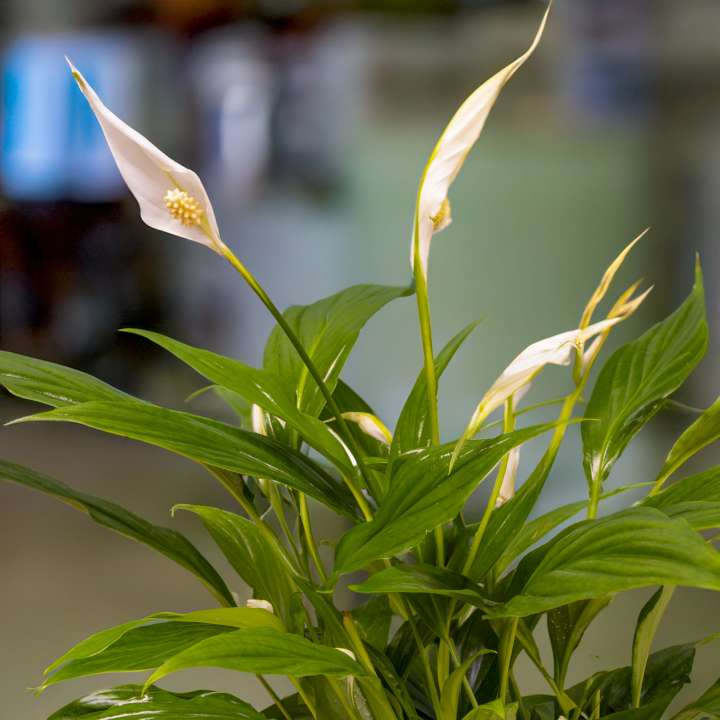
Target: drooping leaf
423,579
209,442
412,429
263,652
645,628
328,330
142,648
629,549
168,542
51,384
706,707
423,494
130,702
637,378
235,617
253,555
257,386
703,432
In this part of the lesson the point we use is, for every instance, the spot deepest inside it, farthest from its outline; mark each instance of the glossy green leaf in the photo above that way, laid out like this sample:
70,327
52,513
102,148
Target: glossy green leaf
141,648
566,626
424,579
51,384
130,702
253,554
373,620
637,378
645,629
209,442
328,330
703,432
494,710
423,494
706,707
257,386
630,549
235,617
168,542
450,694
264,652
412,429
695,498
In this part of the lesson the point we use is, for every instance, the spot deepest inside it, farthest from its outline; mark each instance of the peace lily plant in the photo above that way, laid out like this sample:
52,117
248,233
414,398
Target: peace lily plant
445,604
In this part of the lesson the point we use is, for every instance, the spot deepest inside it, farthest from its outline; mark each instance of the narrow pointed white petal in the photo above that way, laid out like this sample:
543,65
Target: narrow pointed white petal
149,174
432,212
370,425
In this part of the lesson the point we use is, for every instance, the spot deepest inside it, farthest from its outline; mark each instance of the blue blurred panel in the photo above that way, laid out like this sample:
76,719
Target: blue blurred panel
52,146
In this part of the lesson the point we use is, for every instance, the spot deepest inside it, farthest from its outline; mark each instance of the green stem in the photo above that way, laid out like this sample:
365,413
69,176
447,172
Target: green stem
304,696
310,365
507,643
425,661
274,697
423,305
508,426
357,643
309,538
457,662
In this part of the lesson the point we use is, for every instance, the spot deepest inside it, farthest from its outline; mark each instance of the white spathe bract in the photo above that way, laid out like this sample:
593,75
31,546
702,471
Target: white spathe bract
507,487
517,376
371,425
260,605
171,197
432,212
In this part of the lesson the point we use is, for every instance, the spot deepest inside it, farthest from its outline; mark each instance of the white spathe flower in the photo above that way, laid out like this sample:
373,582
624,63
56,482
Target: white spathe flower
371,425
171,197
432,212
517,376
260,605
257,419
507,487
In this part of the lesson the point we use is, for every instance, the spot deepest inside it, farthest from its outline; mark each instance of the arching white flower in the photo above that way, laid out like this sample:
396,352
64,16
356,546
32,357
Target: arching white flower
370,425
555,350
260,605
432,212
171,197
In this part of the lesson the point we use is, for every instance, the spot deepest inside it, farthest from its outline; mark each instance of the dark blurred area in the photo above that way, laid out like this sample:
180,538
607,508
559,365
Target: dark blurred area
310,124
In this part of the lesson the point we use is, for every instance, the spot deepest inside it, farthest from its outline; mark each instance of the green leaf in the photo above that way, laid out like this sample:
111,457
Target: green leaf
412,430
373,620
637,378
630,549
450,694
423,494
209,442
645,629
706,707
235,617
494,710
257,386
263,652
141,648
421,578
168,542
704,431
253,554
695,498
328,330
130,702
51,384
566,626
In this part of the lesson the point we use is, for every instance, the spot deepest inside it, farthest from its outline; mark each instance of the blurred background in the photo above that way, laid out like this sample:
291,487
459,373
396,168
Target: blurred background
310,124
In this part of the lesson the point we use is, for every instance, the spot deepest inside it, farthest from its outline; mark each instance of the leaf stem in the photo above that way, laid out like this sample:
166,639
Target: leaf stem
274,697
309,538
507,643
310,365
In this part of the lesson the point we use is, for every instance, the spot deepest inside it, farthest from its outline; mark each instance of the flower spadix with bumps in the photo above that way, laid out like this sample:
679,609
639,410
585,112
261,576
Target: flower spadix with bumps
455,569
